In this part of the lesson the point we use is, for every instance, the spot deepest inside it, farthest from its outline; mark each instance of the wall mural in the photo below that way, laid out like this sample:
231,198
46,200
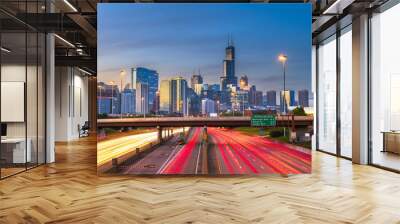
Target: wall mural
204,89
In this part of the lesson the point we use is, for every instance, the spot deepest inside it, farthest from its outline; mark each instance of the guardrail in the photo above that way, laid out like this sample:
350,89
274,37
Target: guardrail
282,120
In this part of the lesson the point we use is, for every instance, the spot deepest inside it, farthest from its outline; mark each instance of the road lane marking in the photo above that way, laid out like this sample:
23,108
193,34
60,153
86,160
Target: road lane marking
197,162
168,160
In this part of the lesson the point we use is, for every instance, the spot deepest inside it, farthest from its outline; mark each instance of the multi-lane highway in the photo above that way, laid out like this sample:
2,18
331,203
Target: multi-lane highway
117,147
227,152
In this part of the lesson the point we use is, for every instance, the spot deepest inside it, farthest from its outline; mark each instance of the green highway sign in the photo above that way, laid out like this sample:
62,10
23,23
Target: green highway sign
263,120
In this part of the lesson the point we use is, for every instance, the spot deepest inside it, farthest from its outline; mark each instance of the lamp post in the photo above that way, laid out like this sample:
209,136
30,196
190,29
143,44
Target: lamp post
112,96
187,106
122,75
180,108
218,107
233,110
143,108
243,105
283,58
101,88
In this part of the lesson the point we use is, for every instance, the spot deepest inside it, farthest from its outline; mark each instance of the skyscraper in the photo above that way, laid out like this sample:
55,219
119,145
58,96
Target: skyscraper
115,99
194,101
207,107
239,99
214,92
196,79
165,96
252,95
156,105
112,94
142,98
145,75
289,99
303,98
128,101
104,105
178,95
243,82
198,88
271,98
259,98
116,104
229,77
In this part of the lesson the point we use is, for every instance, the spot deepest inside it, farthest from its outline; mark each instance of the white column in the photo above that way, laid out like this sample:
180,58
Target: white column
314,92
360,90
50,98
63,101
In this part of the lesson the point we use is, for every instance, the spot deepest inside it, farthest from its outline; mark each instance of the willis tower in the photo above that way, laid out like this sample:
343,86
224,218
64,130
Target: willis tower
229,77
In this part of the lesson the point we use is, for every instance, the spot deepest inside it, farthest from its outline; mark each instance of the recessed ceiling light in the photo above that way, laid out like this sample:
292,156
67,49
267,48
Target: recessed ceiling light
338,6
64,40
84,71
70,5
5,50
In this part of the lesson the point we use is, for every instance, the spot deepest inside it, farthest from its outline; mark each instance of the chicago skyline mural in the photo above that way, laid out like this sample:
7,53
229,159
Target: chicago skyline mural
179,86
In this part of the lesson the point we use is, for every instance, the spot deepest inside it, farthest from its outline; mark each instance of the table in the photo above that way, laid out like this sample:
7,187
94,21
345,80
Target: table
391,141
13,150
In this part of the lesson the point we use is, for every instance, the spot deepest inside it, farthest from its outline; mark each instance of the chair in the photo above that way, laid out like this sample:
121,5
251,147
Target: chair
84,130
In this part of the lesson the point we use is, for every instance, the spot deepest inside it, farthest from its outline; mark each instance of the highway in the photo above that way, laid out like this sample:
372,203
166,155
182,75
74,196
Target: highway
238,153
115,148
228,152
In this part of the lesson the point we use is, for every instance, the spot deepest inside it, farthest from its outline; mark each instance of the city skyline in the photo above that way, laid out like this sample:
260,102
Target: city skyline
256,55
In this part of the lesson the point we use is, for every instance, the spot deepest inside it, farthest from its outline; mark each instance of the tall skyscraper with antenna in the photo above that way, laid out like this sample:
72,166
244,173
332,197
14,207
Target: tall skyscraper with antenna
229,77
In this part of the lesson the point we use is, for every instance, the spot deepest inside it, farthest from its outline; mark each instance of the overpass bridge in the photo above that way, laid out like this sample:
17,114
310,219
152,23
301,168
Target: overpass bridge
295,123
281,121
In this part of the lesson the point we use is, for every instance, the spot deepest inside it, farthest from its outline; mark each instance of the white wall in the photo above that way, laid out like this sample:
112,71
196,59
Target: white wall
71,103
33,126
16,73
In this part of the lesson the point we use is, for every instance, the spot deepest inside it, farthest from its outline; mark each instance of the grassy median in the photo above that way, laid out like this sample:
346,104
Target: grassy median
272,134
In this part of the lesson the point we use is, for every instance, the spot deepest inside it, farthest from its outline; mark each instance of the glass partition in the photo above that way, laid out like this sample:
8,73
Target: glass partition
13,86
346,92
327,95
22,93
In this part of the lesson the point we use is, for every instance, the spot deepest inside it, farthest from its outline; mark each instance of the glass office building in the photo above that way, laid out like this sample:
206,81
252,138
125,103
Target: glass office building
149,77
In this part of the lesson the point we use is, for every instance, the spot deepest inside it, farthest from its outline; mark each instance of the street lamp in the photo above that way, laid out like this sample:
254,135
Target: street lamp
101,88
283,58
112,96
243,105
187,106
144,109
122,75
218,107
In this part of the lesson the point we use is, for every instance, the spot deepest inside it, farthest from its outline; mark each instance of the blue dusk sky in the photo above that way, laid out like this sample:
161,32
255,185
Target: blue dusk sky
179,39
